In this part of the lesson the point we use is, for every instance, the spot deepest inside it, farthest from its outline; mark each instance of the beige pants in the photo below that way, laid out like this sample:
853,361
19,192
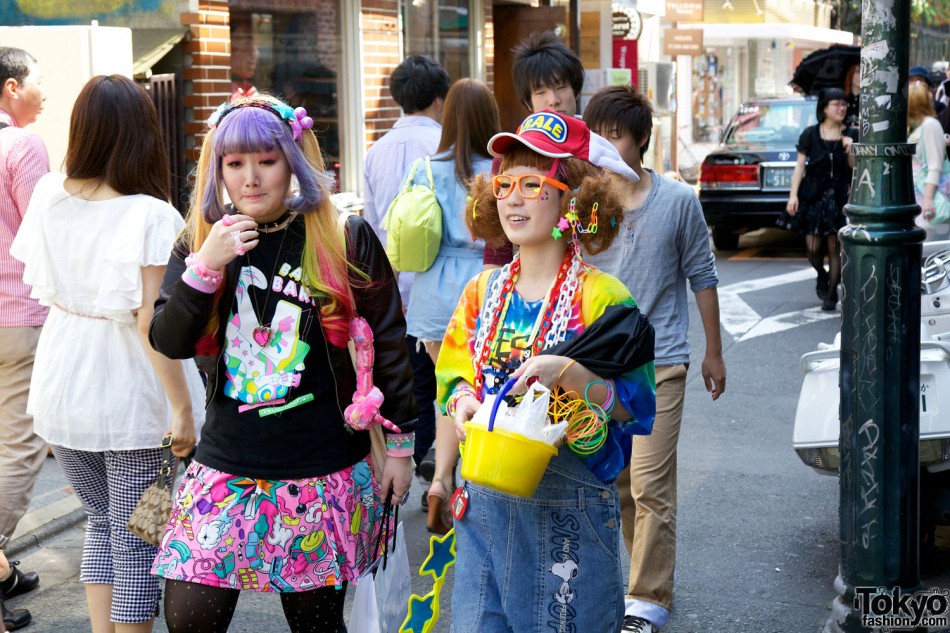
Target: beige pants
648,495
21,451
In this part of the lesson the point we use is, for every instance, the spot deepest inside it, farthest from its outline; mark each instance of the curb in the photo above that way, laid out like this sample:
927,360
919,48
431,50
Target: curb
45,531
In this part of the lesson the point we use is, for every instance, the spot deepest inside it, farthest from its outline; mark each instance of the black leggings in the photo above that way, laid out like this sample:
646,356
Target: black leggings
817,246
194,608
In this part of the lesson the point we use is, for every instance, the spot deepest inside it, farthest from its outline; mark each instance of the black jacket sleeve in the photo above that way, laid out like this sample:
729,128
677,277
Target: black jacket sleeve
378,301
181,312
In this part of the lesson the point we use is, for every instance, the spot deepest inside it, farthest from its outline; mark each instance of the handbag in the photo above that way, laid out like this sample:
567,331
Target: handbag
381,602
151,513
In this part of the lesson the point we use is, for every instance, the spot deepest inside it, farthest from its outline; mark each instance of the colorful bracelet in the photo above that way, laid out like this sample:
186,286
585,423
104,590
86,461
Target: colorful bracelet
453,401
203,273
400,444
608,406
190,278
566,367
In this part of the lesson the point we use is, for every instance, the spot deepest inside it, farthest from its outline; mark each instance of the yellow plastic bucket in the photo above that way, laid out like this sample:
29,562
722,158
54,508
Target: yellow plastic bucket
502,460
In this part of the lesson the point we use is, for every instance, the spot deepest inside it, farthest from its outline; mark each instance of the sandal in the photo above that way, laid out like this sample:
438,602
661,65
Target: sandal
439,516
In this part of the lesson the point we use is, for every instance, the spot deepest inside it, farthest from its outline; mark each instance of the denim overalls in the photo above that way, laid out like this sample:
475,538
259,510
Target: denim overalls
549,563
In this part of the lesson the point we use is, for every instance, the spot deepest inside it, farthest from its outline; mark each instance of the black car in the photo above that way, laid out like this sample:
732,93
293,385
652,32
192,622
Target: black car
744,183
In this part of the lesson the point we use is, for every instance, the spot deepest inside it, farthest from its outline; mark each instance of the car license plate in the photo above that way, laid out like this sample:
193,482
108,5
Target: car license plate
778,178
928,394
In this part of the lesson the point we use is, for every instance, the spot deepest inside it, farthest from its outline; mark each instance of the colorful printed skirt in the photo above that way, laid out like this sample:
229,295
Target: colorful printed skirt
261,535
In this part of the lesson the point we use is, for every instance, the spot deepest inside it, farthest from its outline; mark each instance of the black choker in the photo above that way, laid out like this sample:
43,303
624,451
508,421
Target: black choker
278,224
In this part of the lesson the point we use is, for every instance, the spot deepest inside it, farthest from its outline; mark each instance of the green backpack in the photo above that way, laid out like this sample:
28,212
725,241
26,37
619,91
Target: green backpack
413,225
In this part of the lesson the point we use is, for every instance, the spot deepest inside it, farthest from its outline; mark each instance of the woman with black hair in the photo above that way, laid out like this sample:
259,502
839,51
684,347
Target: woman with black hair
820,186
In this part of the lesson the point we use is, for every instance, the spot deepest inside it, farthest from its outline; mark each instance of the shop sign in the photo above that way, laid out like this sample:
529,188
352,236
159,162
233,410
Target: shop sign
683,42
627,24
684,10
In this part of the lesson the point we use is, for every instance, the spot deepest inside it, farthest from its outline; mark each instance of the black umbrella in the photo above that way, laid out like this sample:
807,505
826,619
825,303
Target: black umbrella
826,68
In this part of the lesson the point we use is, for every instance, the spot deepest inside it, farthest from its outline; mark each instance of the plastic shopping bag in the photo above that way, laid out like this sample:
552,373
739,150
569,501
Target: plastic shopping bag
382,593
530,418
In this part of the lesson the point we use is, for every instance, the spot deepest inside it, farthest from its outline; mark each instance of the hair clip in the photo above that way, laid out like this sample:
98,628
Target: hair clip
592,226
571,221
300,122
474,206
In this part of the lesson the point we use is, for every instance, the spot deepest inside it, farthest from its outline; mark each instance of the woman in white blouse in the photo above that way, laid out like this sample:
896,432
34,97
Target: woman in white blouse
929,179
94,243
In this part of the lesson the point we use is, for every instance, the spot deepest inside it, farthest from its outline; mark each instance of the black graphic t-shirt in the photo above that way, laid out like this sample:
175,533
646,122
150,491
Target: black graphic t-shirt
275,414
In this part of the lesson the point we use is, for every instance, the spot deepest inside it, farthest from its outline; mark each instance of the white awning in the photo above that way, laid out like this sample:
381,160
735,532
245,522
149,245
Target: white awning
149,46
799,34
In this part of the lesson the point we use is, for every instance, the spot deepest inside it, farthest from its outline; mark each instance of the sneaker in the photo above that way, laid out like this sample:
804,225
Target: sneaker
636,624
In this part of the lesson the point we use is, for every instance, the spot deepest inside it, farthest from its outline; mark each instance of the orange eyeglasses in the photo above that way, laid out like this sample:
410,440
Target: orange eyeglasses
528,185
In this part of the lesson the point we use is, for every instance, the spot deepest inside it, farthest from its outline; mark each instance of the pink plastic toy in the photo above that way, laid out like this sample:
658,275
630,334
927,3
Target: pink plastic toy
364,412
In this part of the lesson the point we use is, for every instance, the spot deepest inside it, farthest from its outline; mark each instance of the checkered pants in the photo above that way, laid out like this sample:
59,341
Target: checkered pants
109,485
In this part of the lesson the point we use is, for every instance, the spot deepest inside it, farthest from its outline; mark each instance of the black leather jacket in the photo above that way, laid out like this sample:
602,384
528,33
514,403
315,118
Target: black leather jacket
182,314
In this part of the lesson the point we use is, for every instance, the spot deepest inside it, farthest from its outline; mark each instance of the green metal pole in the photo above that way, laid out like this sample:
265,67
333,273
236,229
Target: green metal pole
880,332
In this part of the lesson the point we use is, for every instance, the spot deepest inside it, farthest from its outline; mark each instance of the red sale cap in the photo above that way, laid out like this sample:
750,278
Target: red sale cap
552,134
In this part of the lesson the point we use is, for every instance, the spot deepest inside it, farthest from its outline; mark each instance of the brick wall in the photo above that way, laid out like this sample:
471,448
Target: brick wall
489,46
208,75
381,55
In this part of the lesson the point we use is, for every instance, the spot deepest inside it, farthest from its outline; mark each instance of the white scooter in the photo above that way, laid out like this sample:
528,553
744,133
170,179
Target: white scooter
815,436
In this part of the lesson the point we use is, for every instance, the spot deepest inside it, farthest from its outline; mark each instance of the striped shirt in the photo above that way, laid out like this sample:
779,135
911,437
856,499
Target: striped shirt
23,161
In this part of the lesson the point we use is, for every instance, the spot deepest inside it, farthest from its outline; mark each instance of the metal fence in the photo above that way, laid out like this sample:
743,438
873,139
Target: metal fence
166,91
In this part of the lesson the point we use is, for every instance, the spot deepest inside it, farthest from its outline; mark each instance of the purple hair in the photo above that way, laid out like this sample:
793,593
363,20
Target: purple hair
255,129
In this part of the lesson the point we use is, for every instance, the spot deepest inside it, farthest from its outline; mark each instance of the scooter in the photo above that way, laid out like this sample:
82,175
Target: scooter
816,431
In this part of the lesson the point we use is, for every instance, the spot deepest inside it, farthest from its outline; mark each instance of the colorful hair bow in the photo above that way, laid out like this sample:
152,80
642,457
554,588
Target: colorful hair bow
297,118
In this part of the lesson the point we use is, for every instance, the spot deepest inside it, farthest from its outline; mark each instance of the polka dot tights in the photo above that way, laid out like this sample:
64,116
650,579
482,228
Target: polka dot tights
194,608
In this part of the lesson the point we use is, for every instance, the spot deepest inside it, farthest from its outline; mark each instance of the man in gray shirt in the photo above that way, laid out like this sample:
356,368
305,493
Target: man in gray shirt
663,243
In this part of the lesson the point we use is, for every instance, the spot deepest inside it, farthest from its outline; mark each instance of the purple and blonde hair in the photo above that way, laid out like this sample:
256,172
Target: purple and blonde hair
252,126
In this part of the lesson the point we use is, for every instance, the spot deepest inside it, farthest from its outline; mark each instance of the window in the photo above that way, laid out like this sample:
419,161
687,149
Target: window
439,29
771,124
294,55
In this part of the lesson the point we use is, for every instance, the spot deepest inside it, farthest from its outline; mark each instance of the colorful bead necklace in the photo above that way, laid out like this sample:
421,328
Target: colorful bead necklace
496,305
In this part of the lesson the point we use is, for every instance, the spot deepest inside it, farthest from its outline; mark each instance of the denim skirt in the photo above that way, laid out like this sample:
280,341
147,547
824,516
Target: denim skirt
548,563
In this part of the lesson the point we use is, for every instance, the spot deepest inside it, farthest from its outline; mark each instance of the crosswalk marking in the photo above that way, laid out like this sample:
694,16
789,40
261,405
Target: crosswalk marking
741,320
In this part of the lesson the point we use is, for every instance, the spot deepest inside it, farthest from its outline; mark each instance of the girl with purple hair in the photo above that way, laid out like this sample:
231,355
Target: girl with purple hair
281,496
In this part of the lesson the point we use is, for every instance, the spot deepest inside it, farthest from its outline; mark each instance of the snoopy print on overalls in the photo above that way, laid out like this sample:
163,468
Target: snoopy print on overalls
566,571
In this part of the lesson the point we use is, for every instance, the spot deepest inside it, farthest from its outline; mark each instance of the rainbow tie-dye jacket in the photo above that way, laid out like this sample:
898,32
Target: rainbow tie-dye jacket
635,390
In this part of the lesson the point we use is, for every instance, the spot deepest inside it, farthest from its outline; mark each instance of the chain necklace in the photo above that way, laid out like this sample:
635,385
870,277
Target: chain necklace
262,333
496,307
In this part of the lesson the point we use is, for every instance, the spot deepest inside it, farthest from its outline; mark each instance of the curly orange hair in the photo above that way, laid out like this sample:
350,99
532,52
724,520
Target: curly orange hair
587,183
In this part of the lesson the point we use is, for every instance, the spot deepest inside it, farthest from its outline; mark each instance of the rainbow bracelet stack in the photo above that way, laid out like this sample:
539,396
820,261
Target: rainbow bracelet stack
460,392
400,444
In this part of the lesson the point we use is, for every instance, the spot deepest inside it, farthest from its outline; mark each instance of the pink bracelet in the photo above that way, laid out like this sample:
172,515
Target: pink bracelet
189,278
400,444
207,275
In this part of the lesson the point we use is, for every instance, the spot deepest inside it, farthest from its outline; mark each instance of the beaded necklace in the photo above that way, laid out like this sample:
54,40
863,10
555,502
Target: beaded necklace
554,317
